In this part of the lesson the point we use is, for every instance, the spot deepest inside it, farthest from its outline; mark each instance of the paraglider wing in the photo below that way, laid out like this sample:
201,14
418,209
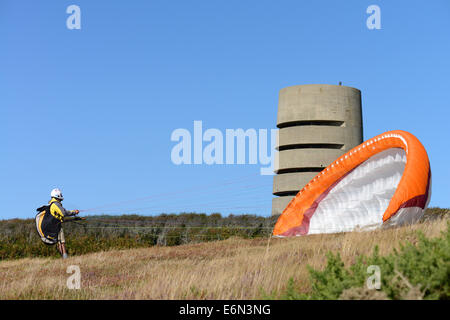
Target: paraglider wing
385,180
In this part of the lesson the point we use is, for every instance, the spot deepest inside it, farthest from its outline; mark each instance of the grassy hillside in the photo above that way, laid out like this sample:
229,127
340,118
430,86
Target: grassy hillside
235,268
19,239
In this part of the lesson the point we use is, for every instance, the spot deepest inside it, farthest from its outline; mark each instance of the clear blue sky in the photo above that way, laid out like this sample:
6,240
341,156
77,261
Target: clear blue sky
91,111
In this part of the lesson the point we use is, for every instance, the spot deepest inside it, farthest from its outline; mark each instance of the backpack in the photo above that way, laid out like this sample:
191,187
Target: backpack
47,226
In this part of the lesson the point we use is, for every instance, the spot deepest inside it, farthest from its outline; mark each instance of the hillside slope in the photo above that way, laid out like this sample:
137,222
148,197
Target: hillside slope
231,269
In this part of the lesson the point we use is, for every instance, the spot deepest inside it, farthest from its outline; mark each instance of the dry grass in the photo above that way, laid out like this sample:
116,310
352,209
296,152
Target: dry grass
230,269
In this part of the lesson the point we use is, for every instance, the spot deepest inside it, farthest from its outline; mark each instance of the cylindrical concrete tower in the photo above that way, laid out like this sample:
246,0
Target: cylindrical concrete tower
318,123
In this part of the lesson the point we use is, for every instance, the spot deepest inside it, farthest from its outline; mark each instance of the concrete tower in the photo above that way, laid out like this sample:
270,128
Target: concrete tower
318,123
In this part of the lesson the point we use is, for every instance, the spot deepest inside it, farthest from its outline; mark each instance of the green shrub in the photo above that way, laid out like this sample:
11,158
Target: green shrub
412,272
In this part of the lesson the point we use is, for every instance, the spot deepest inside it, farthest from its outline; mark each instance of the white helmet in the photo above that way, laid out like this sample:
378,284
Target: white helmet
56,193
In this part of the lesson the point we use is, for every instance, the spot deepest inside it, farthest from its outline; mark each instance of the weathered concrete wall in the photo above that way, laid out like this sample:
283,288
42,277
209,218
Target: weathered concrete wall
318,123
279,203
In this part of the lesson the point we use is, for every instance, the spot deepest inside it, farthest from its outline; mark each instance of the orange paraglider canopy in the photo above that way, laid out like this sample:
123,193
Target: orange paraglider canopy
410,191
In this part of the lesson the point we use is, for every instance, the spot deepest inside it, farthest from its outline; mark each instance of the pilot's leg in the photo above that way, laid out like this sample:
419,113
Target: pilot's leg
62,244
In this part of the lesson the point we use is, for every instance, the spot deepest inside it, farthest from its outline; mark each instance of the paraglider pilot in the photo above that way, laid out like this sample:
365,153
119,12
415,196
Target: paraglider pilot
49,219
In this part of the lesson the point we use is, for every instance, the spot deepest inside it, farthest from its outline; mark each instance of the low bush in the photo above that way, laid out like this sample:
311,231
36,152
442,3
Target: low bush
414,271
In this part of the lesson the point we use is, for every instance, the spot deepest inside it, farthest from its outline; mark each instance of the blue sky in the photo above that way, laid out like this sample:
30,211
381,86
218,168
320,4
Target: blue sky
91,111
